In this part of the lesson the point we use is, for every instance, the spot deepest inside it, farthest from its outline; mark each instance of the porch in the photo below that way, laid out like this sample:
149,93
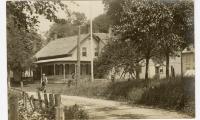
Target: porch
61,72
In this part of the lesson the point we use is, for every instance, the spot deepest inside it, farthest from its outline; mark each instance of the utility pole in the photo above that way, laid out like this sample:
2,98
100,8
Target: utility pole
91,47
78,56
181,65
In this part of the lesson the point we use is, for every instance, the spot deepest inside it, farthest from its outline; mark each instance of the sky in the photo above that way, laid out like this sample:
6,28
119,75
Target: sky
91,9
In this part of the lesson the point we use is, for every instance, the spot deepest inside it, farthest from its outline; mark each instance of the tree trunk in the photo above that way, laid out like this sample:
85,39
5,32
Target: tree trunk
137,75
17,75
9,78
147,72
137,72
167,66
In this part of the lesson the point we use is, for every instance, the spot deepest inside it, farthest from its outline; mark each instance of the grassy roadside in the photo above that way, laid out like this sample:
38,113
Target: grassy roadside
173,94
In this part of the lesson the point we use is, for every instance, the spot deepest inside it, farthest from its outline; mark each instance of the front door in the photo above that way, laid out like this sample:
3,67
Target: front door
157,74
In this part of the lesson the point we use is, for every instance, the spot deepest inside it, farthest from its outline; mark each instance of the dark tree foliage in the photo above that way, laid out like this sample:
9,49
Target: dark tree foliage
179,32
25,13
78,18
137,21
183,12
118,54
101,24
155,26
22,38
68,28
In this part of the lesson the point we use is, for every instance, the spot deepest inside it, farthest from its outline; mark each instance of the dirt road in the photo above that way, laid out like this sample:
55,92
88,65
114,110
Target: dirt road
108,109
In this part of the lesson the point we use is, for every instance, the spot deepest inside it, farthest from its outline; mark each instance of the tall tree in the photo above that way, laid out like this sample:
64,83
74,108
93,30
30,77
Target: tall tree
25,13
101,23
176,33
151,24
68,28
137,21
118,54
22,38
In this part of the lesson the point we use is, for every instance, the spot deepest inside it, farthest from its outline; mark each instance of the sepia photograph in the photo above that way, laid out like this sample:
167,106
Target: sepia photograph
101,59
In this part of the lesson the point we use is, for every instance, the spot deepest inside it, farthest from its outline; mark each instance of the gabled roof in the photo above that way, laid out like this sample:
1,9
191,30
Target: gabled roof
102,36
65,45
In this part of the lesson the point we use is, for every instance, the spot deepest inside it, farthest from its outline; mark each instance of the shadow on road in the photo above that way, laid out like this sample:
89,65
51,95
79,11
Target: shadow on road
128,116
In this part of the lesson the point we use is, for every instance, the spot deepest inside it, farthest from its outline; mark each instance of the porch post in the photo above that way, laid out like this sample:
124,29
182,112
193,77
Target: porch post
54,69
64,71
41,71
75,70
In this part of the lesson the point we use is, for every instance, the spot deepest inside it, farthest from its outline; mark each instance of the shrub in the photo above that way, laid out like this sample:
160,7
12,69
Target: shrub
175,94
75,112
89,89
125,90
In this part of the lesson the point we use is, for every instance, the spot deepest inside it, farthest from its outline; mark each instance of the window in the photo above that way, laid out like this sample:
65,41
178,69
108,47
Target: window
84,51
67,69
157,69
81,69
88,69
57,69
96,52
87,72
161,70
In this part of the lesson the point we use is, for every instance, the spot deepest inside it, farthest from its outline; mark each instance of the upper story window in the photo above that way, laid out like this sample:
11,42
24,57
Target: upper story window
96,52
84,51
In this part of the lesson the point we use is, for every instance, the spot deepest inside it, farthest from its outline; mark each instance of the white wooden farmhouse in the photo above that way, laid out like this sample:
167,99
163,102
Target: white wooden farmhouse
58,58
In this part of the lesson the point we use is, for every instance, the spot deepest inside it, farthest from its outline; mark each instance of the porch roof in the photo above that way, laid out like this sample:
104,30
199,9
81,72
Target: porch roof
64,59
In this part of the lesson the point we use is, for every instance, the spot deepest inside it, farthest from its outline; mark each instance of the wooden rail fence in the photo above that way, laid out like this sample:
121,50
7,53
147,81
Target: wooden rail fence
49,103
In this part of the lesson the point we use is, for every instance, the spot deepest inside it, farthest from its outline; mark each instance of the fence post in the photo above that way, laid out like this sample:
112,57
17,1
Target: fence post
13,108
59,112
25,99
51,100
33,101
40,100
59,108
57,99
46,100
22,85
